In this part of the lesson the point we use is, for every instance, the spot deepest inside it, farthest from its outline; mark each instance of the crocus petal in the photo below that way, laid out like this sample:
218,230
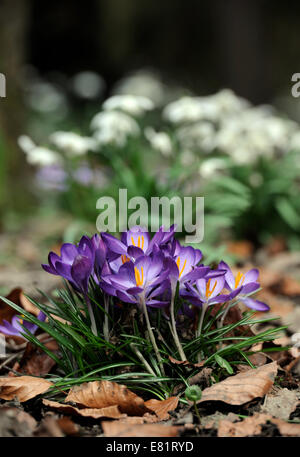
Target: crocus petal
201,286
114,244
81,271
157,303
196,273
134,290
68,253
49,269
8,329
251,287
138,237
126,297
134,252
251,276
228,275
255,304
64,270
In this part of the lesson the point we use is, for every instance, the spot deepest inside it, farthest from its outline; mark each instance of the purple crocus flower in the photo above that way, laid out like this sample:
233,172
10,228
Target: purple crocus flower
75,264
134,243
14,328
243,284
207,291
146,279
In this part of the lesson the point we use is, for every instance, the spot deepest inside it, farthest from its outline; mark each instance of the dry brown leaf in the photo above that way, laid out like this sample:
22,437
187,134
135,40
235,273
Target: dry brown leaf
118,429
242,248
49,427
162,407
68,427
111,412
248,427
290,286
280,306
186,362
258,359
15,422
145,419
243,387
252,426
281,404
287,429
100,394
23,388
36,362
6,311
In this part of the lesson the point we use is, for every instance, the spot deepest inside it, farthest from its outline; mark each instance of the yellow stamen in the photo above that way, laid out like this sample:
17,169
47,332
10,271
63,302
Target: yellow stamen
240,278
143,239
178,265
208,292
124,258
139,277
21,320
132,241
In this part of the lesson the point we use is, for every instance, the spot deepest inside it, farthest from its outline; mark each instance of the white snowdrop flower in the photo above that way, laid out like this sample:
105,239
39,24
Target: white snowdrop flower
37,155
72,143
200,135
114,127
143,83
212,167
46,98
135,105
186,109
159,141
228,102
88,85
26,143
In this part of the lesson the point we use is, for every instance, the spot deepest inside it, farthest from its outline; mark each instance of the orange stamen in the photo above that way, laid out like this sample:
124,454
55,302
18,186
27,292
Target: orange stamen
139,277
178,265
239,279
209,292
124,258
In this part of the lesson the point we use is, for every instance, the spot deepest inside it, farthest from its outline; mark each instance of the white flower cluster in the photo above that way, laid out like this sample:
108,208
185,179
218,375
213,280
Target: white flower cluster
135,105
211,108
38,155
160,141
228,124
72,143
114,127
115,124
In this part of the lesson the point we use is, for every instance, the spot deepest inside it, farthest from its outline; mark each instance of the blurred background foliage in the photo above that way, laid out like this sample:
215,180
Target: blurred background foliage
63,59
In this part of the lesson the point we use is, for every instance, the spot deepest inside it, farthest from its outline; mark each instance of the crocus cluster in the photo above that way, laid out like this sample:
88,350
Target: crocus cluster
151,273
138,269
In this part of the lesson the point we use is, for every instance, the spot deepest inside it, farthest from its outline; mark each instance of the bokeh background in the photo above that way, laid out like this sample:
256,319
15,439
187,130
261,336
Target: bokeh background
195,47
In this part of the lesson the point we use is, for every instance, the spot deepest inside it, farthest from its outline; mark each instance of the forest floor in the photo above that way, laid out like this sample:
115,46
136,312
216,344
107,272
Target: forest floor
224,412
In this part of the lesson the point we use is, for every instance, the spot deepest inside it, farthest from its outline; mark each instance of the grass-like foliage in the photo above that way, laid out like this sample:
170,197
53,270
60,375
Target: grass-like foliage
149,318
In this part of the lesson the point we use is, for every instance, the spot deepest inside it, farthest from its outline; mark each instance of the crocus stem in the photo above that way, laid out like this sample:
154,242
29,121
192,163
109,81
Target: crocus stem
151,335
200,324
197,411
92,317
105,327
142,359
174,330
221,322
